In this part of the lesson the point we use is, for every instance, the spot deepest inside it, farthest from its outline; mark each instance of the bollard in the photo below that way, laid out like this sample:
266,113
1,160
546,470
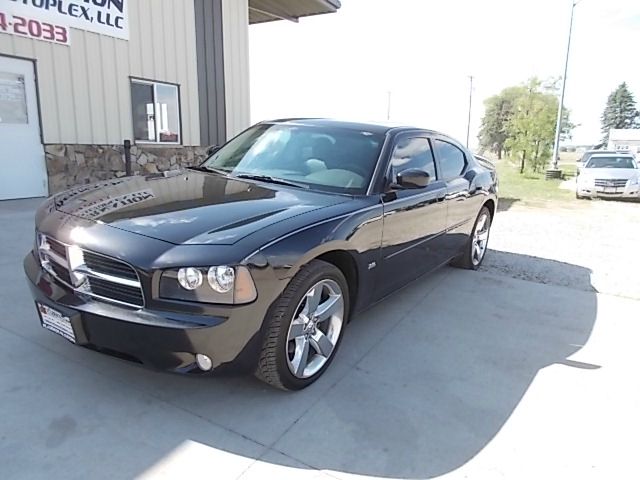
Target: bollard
127,157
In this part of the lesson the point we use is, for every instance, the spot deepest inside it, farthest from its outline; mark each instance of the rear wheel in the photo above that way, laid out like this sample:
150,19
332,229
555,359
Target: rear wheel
476,247
304,327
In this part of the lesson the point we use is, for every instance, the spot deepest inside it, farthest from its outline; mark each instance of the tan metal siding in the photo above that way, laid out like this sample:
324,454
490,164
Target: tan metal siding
235,15
84,88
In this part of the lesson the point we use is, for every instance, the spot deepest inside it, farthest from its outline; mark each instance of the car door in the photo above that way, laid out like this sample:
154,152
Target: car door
461,210
414,220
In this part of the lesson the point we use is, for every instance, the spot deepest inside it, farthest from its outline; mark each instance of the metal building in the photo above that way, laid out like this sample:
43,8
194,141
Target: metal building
80,77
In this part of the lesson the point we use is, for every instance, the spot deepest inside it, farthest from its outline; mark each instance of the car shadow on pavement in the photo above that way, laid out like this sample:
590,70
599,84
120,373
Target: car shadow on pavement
423,381
505,204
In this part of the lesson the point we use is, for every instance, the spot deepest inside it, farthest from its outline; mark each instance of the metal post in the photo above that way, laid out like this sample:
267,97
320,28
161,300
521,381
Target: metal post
389,105
556,143
470,100
127,157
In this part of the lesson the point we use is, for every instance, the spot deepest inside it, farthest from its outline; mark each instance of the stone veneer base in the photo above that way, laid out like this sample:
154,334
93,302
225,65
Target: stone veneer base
72,165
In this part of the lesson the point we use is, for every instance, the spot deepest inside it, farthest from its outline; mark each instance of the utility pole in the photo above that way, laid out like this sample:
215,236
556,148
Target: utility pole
388,105
470,100
556,143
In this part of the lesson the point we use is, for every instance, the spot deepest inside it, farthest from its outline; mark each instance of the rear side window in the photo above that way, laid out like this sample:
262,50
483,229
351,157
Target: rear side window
452,160
413,153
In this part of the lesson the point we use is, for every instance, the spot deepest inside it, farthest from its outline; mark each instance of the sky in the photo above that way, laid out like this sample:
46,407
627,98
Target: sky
344,65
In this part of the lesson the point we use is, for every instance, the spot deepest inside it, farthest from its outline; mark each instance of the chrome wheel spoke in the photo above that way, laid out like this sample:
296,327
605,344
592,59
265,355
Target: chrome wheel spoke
313,300
483,236
481,223
300,356
297,329
329,307
321,344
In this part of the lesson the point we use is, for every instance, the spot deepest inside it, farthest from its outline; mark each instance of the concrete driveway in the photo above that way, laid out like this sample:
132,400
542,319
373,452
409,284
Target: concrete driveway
490,374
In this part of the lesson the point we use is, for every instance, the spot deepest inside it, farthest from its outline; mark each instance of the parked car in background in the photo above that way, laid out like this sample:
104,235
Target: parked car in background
257,258
582,161
610,175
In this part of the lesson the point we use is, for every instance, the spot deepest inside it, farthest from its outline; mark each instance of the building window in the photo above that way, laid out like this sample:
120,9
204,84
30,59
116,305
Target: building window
156,112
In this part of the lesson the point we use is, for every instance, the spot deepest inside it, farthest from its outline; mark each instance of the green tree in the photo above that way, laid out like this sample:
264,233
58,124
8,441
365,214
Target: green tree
531,129
620,111
494,130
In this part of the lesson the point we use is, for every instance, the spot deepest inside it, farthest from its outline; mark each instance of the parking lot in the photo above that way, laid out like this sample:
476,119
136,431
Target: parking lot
525,369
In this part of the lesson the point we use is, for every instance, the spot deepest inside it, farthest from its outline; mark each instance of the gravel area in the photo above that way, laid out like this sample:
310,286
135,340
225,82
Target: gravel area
599,237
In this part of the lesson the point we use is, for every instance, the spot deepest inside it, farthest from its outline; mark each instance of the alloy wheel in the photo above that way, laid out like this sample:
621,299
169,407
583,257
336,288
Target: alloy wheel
480,239
315,329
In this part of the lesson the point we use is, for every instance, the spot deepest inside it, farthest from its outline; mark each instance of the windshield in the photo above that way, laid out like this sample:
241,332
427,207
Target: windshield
324,158
611,162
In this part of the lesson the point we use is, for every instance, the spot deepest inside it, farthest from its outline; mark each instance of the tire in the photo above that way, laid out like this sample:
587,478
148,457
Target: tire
468,259
288,328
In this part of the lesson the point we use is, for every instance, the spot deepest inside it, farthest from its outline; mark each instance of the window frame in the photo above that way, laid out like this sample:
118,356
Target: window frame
154,84
408,136
438,160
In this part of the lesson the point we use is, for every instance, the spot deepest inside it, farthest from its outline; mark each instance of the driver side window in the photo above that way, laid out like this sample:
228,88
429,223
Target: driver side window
413,152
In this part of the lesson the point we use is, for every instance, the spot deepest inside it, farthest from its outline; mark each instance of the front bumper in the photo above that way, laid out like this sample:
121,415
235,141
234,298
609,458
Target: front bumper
630,192
231,337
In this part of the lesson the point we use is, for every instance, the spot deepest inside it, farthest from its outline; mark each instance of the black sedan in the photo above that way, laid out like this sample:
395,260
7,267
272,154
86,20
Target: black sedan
256,259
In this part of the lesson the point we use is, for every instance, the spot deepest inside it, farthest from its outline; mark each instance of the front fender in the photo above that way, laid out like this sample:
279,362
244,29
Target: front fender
358,233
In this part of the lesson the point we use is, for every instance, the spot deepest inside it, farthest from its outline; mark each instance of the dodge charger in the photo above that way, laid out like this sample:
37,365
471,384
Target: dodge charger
256,259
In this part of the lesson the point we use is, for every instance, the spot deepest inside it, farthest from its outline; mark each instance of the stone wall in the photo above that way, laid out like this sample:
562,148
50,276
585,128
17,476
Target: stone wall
72,165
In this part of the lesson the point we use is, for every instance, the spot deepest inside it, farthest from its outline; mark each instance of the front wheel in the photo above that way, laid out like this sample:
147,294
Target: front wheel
476,247
304,327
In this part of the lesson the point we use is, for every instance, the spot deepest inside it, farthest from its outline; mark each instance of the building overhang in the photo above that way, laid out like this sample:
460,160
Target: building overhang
261,11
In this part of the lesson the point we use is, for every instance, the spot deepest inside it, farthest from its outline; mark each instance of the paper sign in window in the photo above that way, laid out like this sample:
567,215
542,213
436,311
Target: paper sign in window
13,99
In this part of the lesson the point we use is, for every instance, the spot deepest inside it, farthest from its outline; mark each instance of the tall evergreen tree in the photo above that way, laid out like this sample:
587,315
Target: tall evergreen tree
620,112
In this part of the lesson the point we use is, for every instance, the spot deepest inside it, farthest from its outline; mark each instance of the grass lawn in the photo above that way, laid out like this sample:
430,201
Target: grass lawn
530,188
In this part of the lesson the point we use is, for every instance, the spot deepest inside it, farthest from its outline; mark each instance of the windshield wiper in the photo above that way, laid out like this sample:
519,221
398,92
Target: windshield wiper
268,179
201,168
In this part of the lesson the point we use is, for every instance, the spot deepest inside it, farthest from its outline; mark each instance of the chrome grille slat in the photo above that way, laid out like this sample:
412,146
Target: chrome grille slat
101,264
106,278
610,182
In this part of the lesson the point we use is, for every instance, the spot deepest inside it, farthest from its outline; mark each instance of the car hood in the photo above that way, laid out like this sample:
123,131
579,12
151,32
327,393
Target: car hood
610,173
190,207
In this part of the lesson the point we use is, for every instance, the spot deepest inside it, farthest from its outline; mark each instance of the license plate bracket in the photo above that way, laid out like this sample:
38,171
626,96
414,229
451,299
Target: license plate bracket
56,322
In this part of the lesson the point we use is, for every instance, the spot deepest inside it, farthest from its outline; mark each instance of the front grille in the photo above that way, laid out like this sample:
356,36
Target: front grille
105,278
114,291
57,247
61,272
109,266
612,182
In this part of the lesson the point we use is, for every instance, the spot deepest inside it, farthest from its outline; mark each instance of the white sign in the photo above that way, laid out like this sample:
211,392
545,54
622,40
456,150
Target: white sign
106,17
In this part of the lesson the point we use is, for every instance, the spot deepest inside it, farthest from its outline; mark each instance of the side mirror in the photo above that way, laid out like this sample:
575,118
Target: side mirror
413,178
212,149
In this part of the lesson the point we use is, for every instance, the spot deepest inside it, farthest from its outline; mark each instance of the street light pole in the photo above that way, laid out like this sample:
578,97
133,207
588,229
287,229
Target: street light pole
470,99
388,105
556,143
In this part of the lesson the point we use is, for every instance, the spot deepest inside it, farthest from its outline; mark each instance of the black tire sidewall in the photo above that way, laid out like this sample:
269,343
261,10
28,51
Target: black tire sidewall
319,271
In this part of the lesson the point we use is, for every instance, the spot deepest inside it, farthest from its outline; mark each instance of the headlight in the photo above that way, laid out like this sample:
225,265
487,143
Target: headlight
633,182
582,180
189,278
221,279
224,285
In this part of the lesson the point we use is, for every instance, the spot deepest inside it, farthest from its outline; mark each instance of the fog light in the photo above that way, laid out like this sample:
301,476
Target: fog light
204,362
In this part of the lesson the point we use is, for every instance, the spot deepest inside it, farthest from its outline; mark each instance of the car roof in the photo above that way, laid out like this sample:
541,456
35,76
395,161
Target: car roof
373,127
